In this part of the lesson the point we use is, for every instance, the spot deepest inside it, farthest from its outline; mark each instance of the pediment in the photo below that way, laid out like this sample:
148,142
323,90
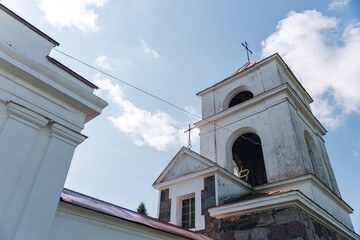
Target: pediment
185,162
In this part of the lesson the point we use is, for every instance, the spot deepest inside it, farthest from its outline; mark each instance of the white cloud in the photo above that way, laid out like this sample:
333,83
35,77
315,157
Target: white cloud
103,62
326,62
158,130
338,4
356,150
145,47
72,13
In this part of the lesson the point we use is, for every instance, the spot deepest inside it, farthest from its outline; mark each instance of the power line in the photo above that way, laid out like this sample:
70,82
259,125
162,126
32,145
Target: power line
147,93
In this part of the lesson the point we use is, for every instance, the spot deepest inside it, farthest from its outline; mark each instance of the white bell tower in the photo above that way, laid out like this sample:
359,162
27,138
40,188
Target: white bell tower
259,121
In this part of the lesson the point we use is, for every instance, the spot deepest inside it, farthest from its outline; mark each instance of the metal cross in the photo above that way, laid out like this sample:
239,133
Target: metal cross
189,130
247,50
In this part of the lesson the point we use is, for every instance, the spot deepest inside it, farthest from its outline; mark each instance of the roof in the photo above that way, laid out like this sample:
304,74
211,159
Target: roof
250,65
258,195
100,206
176,158
245,66
74,74
27,24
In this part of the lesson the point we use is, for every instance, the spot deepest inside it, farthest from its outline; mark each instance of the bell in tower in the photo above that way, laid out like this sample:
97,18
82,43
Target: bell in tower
262,167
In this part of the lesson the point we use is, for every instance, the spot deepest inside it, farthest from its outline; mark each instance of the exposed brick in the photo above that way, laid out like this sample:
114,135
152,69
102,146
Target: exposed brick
165,206
259,234
287,215
266,219
296,229
278,232
242,235
227,235
296,225
208,194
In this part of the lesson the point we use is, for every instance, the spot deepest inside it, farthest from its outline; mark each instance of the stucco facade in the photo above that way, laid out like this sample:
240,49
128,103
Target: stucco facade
274,113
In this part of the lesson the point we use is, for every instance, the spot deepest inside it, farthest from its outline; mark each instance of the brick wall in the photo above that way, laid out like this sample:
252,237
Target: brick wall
286,223
165,206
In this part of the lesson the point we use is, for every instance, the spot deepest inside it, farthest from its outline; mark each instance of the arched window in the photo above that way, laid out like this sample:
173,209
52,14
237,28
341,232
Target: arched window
249,159
240,97
314,156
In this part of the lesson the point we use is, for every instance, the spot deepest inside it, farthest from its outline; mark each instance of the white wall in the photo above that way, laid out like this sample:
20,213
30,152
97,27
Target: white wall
42,112
181,191
73,222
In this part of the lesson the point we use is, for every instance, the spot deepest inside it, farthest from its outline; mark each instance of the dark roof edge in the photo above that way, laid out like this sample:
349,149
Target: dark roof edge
71,72
238,72
26,23
186,233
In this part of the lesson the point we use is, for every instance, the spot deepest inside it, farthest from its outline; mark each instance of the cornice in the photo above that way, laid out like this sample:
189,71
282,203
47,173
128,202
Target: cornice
25,115
66,135
264,97
288,199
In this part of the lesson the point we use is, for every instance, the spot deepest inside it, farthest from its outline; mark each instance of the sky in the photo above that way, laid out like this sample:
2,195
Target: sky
174,49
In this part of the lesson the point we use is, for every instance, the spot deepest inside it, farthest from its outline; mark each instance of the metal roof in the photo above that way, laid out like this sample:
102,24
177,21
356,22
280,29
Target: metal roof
100,206
26,23
245,66
74,74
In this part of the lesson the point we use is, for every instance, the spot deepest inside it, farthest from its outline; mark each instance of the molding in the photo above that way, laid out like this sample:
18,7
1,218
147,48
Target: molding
274,57
291,96
177,157
204,173
25,116
66,135
307,178
52,80
289,199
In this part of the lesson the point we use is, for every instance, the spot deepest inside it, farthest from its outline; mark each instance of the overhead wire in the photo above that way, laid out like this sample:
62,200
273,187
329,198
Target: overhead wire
148,93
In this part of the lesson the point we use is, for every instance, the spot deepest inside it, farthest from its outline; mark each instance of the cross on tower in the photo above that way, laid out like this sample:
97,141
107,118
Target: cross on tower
247,50
189,130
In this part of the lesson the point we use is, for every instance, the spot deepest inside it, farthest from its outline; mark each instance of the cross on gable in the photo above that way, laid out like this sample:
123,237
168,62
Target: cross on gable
190,128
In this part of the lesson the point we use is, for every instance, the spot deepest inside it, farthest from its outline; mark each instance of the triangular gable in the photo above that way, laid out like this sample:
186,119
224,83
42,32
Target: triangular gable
185,162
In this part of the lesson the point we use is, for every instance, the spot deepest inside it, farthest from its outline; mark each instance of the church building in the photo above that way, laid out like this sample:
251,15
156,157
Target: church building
263,171
44,106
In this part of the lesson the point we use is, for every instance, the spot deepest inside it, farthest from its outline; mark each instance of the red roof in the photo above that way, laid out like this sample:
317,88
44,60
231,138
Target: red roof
20,19
74,74
245,66
97,205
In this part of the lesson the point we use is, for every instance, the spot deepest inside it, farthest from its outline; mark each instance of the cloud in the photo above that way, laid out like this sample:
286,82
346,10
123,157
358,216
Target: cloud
338,4
145,47
356,150
103,62
72,13
158,130
324,58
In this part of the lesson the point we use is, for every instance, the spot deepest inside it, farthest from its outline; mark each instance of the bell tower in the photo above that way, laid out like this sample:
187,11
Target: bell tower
263,171
258,124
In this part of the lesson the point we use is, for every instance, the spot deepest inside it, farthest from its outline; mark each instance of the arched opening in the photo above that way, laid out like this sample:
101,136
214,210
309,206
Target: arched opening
315,157
249,159
240,97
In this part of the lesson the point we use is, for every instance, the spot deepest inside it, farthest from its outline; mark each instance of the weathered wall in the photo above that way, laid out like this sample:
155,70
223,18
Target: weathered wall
165,206
228,190
277,224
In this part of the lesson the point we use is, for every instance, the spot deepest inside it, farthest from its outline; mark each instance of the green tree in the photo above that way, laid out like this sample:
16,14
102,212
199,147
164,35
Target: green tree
142,209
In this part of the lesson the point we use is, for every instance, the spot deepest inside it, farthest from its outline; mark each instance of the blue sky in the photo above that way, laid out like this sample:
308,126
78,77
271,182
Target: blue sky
175,49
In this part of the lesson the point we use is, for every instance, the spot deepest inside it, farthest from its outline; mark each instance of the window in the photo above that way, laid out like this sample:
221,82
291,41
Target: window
188,213
249,160
240,97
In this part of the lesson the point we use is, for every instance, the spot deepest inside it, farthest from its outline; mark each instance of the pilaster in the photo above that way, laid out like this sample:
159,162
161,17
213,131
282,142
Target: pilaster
16,139
44,197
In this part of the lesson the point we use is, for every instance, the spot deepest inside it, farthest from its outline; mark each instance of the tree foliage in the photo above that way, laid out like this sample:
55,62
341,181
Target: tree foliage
142,209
